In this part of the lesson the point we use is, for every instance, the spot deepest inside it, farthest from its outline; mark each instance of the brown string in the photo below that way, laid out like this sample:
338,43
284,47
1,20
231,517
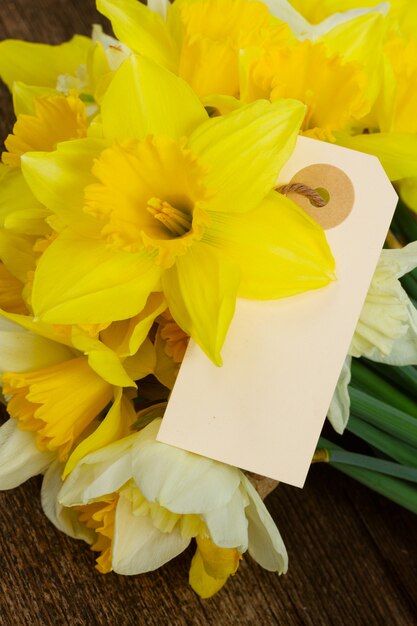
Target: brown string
304,190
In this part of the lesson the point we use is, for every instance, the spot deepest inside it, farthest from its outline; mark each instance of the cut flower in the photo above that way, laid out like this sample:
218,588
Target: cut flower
168,200
147,500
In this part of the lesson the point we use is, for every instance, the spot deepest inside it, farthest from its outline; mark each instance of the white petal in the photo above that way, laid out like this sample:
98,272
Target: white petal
138,546
99,473
159,6
20,459
64,518
22,350
387,328
302,28
228,526
265,542
180,481
339,410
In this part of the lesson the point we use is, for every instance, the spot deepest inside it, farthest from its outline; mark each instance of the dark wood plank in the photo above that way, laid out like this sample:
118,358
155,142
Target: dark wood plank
353,558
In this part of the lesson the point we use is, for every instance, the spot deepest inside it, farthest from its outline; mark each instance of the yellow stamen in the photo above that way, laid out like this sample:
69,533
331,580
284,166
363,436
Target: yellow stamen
178,222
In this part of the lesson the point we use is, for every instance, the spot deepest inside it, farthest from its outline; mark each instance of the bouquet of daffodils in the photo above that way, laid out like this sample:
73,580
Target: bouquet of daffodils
138,201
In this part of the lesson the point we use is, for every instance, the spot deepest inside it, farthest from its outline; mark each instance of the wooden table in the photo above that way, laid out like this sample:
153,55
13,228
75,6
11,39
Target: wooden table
353,555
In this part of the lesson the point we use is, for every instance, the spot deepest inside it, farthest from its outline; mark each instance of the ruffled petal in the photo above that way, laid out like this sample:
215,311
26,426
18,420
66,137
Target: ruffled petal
200,290
145,98
245,151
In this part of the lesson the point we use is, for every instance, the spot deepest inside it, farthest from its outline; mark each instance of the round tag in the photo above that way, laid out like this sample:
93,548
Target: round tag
333,185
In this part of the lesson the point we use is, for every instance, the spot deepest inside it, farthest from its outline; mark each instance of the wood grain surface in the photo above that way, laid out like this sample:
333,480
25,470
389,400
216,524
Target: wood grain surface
353,555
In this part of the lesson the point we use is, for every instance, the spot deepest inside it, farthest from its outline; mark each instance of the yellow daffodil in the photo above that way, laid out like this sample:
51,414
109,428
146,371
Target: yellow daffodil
334,91
201,40
168,200
146,501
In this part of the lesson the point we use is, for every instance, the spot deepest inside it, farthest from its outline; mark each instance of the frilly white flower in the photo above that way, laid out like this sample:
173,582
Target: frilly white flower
161,497
387,327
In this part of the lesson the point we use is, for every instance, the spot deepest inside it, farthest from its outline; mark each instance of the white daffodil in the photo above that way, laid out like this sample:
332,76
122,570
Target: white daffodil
147,500
387,327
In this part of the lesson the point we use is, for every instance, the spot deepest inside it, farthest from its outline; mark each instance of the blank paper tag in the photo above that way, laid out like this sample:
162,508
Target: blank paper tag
263,410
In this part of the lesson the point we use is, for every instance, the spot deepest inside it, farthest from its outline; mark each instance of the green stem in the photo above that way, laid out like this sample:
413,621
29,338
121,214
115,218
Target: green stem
391,446
384,416
369,381
395,489
404,377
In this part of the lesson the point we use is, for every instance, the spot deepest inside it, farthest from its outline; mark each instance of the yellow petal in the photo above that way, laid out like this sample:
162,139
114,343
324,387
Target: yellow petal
279,249
360,40
211,567
58,178
98,285
24,97
145,98
11,292
101,359
115,425
41,64
125,337
201,294
20,211
144,31
245,150
396,151
16,252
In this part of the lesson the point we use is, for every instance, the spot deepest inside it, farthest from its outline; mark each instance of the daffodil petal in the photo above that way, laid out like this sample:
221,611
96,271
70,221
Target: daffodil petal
279,249
201,293
20,459
142,30
58,178
201,582
115,425
99,473
178,480
396,151
22,351
145,98
339,410
20,211
41,64
265,542
24,97
64,518
245,151
16,252
138,546
98,285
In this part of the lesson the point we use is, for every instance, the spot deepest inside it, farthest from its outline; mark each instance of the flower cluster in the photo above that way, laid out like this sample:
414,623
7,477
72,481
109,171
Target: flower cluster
138,201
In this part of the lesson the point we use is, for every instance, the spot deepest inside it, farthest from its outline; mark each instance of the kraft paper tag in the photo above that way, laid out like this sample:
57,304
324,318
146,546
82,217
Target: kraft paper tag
263,410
